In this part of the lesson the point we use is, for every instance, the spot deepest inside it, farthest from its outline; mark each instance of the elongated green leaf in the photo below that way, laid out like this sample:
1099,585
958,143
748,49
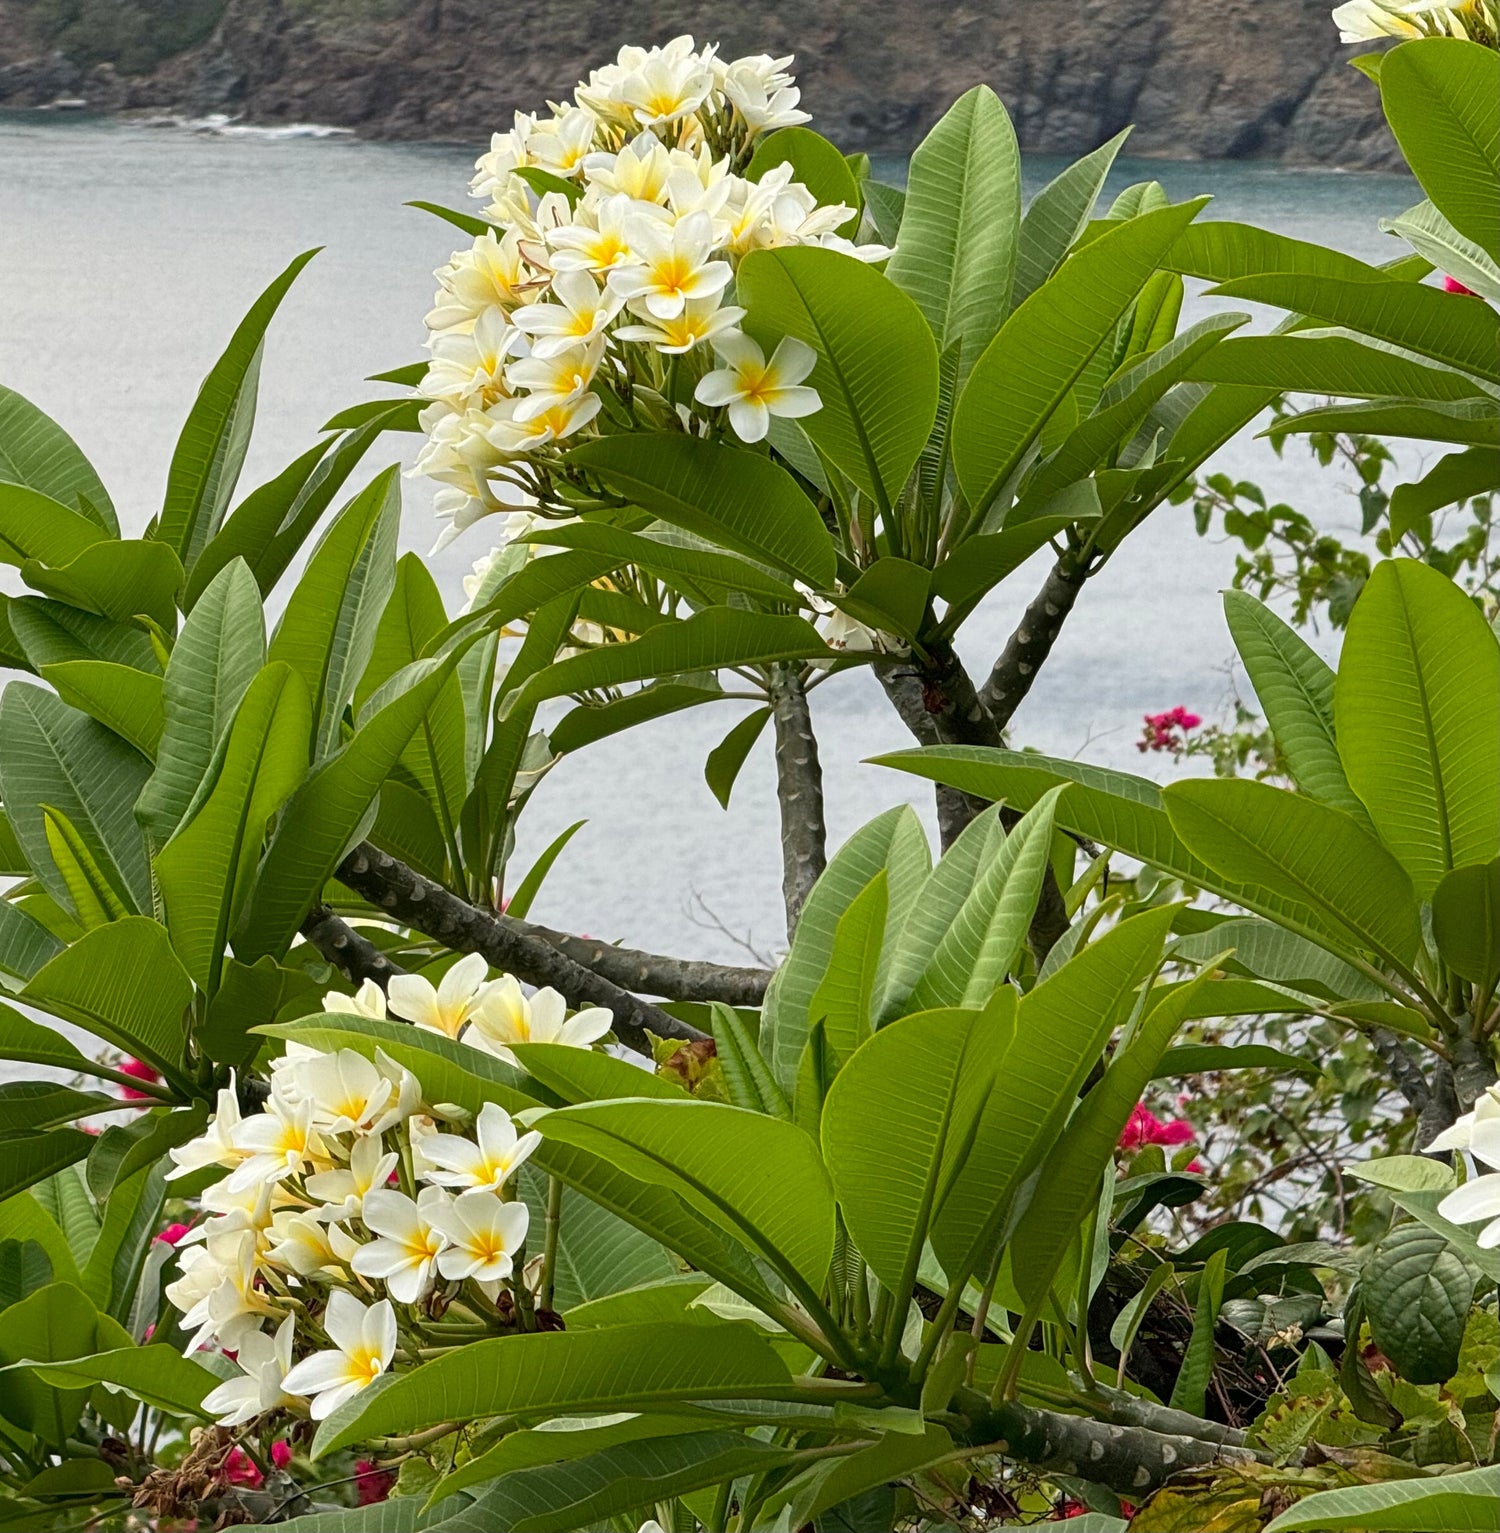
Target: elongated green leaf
895,837
1272,953
54,755
1422,319
32,1043
1458,476
1221,250
1294,686
206,870
93,898
23,1219
956,254
33,526
740,500
218,653
326,810
979,564
161,1376
1442,99
751,1084
1475,421
25,944
1254,833
1417,705
844,1001
1190,1391
37,452
206,462
693,568
1061,1029
1465,1502
1196,1058
866,333
722,766
328,629
115,580
1329,364
920,1083
28,1160
124,983
758,1178
58,1321
118,696
1432,236
1045,345
26,1107
706,641
562,1373
1466,921
1058,214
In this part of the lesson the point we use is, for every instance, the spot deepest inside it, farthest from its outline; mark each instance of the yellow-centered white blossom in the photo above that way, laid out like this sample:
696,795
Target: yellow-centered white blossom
753,389
444,1007
487,1161
405,1252
484,1236
364,1342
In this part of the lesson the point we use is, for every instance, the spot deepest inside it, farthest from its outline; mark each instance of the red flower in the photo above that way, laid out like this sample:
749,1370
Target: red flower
240,1469
1161,731
1453,285
173,1233
1143,1127
281,1454
142,1072
372,1483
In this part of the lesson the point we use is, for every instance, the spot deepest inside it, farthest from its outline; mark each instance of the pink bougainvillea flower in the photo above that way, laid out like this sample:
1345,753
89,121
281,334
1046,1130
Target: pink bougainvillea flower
173,1233
241,1469
1166,731
1143,1127
141,1071
372,1483
281,1454
1453,285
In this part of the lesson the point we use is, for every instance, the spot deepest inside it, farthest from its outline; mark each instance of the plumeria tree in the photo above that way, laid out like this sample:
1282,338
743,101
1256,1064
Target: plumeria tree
419,1198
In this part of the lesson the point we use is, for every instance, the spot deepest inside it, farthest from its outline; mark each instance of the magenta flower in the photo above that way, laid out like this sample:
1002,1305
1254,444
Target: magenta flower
141,1071
1143,1127
173,1233
1453,285
1166,731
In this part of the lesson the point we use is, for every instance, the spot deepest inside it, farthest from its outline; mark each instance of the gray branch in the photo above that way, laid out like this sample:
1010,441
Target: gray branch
354,956
799,791
678,979
427,907
1028,647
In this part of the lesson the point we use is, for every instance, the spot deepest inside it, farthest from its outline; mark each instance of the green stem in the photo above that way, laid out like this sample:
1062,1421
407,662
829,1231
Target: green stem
549,1243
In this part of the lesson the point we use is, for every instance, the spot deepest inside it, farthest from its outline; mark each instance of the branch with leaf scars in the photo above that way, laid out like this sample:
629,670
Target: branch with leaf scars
799,791
1028,647
353,955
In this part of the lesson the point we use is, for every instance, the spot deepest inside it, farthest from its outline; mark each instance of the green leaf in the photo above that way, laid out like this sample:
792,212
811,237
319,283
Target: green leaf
27,1161
35,451
1294,686
25,944
844,1001
554,1498
53,754
23,1220
207,869
1058,215
706,641
328,629
815,163
581,1075
1329,364
116,580
897,1123
1466,1502
866,334
33,526
325,812
1442,99
159,1376
1061,1029
1422,319
56,1322
1220,250
722,767
748,1077
1433,237
1417,1291
1466,921
758,1178
737,499
29,1106
1046,343
206,462
891,838
562,1373
979,564
93,898
956,254
1417,706
1256,834
890,595
30,1042
122,1150
121,698
1458,476
219,652
1461,421
1203,1058
590,722
1190,1391
123,983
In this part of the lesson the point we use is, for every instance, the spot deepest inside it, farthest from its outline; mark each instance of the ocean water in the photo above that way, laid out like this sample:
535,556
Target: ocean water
129,252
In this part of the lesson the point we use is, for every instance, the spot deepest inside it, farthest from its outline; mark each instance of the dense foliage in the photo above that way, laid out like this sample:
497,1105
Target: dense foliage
419,1202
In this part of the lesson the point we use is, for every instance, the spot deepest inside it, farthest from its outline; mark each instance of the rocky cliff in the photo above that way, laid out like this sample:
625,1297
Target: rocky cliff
1230,78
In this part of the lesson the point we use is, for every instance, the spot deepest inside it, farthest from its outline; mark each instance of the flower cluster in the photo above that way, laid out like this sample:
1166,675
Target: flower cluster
603,291
1365,20
1143,1127
1478,1200
352,1213
1167,731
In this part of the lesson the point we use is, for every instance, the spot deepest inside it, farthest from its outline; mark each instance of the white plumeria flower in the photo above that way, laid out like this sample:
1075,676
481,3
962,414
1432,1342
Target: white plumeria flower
550,425
754,389
580,313
365,1340
484,1235
219,1280
468,368
763,95
277,1142
597,240
1478,1200
867,253
1461,1133
673,265
506,1016
637,174
264,1362
559,146
348,1094
701,320
485,1162
303,1244
342,1190
558,379
443,1008
367,1001
666,86
215,1147
405,1255
506,153
489,274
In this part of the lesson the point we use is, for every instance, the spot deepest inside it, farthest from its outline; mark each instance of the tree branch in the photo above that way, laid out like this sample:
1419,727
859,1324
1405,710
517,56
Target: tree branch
678,979
1028,647
799,790
354,956
427,907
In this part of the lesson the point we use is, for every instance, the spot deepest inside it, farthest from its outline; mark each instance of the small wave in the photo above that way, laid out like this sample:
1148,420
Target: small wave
221,125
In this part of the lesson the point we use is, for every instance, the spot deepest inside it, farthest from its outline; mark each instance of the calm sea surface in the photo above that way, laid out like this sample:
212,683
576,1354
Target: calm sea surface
129,253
